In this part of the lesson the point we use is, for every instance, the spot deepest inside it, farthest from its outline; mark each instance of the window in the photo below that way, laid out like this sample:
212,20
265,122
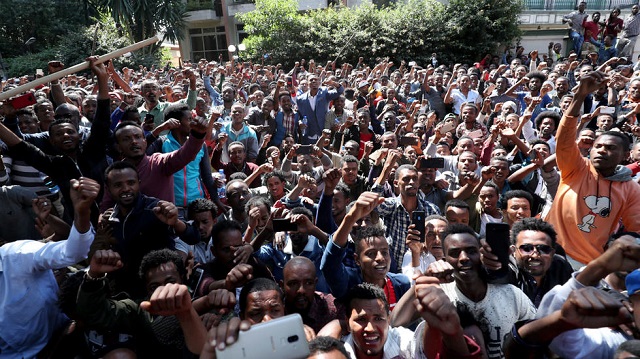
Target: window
241,33
208,43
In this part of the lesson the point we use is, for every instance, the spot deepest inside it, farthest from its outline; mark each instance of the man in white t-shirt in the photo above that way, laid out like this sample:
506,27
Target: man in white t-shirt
494,308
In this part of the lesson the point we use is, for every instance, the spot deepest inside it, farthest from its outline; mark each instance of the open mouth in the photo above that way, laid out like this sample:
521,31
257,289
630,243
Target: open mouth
381,268
535,264
371,340
126,196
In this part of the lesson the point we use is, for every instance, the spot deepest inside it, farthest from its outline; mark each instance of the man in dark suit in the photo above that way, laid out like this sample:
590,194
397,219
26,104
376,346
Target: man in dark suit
314,104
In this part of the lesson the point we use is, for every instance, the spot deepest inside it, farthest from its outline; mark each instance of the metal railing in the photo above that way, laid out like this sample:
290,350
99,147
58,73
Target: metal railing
572,4
195,5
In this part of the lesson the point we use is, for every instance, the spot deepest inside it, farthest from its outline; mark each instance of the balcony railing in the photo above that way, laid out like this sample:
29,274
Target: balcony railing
195,5
571,4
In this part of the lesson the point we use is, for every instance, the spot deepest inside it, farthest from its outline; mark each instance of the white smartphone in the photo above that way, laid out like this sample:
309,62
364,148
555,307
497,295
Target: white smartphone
607,110
475,134
447,127
281,338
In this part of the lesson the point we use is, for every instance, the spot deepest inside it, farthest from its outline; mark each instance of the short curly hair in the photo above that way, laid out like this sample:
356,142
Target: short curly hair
156,258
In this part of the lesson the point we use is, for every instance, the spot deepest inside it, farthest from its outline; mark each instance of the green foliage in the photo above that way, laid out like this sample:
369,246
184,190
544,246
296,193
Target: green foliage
27,64
23,19
463,30
142,19
273,24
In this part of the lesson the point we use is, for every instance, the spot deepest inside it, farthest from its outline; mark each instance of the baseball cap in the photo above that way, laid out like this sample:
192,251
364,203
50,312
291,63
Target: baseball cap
363,83
633,282
450,115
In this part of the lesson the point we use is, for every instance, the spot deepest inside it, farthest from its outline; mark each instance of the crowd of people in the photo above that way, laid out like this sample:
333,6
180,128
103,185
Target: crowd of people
162,211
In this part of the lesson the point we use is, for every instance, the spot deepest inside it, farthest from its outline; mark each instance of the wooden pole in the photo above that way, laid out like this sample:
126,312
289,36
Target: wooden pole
79,67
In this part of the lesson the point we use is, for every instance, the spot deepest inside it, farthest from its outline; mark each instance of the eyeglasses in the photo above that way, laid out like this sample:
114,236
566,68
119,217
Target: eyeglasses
541,248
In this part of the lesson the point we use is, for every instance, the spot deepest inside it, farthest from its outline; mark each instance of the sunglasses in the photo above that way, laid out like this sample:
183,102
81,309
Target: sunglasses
541,248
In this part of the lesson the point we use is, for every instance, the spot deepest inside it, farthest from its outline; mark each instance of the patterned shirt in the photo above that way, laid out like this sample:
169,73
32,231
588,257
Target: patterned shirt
288,121
462,129
397,220
631,25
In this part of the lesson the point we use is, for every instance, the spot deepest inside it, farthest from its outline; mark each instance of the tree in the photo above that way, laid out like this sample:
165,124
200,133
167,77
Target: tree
272,24
475,28
142,19
463,30
75,47
42,20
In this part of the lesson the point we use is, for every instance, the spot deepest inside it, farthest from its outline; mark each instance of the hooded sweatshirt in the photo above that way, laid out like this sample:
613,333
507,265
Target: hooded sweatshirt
588,207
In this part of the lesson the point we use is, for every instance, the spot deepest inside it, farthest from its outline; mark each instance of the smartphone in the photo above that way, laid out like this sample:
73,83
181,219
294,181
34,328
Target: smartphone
148,118
498,238
449,126
281,338
39,72
304,150
607,110
436,162
284,225
417,219
194,281
475,134
23,101
408,141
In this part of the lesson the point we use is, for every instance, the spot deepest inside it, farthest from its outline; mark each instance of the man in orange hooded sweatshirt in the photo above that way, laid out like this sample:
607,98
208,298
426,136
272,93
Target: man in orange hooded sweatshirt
594,193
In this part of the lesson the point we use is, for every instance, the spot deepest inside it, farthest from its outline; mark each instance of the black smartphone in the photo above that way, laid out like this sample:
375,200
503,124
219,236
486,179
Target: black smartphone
304,150
498,238
284,225
194,280
408,141
436,162
148,118
417,219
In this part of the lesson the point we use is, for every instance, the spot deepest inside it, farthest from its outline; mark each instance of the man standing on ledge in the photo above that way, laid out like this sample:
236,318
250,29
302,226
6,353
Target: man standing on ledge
314,104
576,20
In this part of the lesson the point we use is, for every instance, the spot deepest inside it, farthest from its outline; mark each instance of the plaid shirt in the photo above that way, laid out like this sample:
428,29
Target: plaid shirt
288,121
397,220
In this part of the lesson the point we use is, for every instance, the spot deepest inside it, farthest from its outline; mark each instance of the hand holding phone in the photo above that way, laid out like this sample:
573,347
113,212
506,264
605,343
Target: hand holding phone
499,241
284,225
449,126
417,219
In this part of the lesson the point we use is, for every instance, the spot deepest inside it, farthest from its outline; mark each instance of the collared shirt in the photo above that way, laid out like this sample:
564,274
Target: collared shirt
459,98
577,19
312,101
631,25
29,312
397,220
158,110
288,121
